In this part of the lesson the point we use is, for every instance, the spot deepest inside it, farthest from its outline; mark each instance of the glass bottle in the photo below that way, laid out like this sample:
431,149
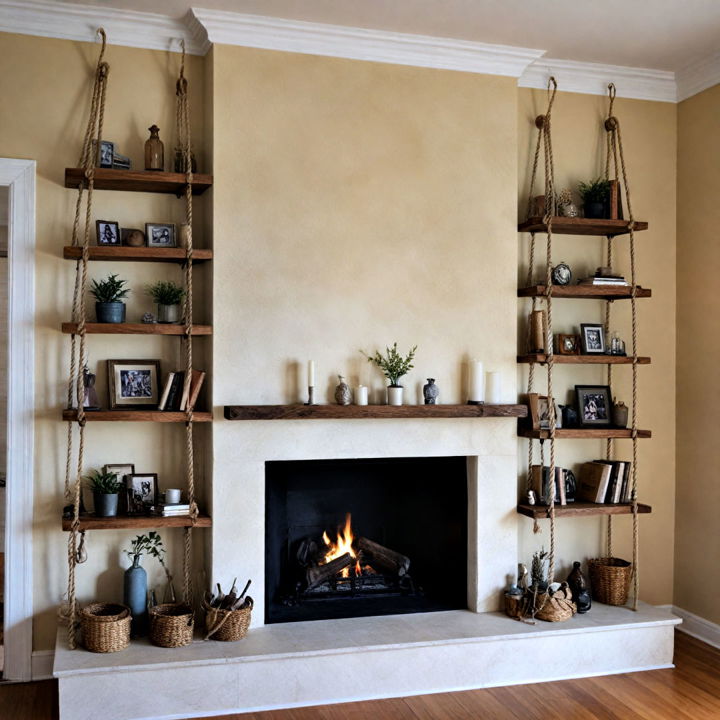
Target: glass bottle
180,161
154,150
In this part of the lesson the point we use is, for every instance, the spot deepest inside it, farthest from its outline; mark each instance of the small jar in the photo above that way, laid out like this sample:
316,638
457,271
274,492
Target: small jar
154,150
180,161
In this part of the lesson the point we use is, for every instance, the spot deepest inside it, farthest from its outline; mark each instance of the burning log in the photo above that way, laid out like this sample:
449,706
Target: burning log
383,558
321,573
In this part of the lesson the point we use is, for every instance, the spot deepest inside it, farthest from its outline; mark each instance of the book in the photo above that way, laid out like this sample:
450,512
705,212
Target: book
593,482
166,391
627,483
603,281
560,486
614,491
191,391
541,487
172,402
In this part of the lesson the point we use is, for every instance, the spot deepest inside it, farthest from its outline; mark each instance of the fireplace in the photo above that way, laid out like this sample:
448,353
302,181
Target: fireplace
351,538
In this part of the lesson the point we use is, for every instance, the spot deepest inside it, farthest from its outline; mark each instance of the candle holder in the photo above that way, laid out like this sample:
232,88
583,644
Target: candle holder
311,395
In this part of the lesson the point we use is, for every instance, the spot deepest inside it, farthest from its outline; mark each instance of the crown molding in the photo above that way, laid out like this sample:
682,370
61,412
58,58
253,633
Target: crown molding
593,79
698,76
270,33
80,22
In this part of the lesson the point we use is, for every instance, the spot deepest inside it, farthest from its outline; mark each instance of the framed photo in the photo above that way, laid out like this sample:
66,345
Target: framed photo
540,412
567,344
108,232
160,235
133,383
594,405
592,339
106,153
142,492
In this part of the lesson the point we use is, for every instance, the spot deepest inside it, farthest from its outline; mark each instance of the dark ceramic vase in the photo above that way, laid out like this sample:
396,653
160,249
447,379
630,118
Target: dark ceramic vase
595,210
113,312
135,595
578,587
106,504
430,392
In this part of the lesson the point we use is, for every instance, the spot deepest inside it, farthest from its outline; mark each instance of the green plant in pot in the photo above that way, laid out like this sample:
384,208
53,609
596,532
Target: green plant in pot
596,198
394,366
168,295
105,487
109,295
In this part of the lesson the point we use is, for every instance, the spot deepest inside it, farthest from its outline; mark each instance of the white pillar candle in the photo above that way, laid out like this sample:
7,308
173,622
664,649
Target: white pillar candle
311,373
493,382
476,389
361,395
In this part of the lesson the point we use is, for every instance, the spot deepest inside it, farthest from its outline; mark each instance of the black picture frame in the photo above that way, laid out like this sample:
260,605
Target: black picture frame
106,154
594,405
133,383
592,339
142,492
108,233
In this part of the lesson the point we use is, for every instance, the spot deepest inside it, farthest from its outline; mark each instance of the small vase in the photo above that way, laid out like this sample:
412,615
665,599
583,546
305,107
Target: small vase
395,395
578,587
180,161
154,150
595,210
110,312
343,396
168,313
620,414
430,392
106,504
135,595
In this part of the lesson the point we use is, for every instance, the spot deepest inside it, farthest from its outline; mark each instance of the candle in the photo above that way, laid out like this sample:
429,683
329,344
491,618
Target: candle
361,395
493,383
476,390
311,373
538,335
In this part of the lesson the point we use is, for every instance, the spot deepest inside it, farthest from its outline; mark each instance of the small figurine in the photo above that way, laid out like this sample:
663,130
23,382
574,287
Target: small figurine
90,401
578,586
148,318
430,392
512,588
343,396
531,499
561,273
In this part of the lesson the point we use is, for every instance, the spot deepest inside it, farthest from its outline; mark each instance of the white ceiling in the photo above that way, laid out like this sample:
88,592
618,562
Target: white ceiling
658,34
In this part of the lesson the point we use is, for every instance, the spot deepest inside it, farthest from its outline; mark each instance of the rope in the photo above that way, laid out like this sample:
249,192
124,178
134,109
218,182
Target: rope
78,357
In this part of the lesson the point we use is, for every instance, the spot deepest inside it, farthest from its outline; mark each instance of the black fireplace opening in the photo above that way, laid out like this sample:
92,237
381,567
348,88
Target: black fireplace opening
353,538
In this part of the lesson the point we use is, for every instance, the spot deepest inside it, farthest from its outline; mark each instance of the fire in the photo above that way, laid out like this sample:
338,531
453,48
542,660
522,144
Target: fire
343,544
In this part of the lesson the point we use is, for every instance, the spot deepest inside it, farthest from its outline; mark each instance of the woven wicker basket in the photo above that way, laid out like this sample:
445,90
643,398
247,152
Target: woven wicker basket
610,580
105,627
556,608
227,625
171,625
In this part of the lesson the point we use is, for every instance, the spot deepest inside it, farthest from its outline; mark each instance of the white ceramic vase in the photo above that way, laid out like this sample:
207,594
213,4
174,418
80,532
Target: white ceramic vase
395,395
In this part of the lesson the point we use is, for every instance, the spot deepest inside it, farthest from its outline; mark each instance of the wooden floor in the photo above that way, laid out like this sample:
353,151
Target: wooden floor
690,691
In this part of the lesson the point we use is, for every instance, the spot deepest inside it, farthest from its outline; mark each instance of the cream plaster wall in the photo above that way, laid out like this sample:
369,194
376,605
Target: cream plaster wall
45,85
649,135
697,528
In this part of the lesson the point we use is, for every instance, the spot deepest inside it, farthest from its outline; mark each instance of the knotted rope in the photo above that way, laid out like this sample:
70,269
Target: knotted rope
78,358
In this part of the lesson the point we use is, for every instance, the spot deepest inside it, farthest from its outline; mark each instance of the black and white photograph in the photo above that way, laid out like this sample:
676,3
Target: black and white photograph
592,338
133,382
108,232
594,405
106,154
160,234
142,492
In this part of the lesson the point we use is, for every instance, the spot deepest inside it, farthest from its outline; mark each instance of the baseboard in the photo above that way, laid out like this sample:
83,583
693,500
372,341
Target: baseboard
42,664
698,627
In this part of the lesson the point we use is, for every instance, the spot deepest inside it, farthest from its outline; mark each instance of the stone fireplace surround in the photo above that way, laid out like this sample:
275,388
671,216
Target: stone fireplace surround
279,665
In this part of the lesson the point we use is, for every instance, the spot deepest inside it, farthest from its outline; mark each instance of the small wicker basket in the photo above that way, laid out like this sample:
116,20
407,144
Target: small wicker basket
227,625
557,607
105,627
171,625
610,580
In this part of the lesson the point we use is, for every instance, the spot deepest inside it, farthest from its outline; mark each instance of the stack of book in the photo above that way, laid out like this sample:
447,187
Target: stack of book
605,481
601,280
176,396
171,509
541,485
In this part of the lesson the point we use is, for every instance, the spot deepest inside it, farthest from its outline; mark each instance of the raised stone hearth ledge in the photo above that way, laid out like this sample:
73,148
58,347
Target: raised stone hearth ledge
279,665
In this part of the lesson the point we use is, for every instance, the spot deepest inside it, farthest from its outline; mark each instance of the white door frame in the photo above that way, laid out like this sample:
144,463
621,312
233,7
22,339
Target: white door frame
19,176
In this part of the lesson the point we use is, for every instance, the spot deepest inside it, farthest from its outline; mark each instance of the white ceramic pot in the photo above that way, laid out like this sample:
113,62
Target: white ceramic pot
395,395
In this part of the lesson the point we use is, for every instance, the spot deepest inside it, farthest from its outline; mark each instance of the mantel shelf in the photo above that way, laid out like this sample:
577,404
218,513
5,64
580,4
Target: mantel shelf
586,292
124,522
137,416
355,412
580,509
138,181
582,359
124,253
581,226
70,328
582,433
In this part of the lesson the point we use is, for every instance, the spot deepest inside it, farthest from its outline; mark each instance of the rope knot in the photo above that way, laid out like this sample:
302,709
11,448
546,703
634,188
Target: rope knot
103,70
540,122
611,123
181,87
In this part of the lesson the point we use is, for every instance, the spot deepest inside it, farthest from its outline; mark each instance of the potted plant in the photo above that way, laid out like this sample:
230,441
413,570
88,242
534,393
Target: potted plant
109,294
394,366
105,487
596,198
168,295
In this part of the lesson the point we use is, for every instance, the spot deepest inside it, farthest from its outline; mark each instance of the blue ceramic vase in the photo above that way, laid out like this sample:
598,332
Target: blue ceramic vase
135,595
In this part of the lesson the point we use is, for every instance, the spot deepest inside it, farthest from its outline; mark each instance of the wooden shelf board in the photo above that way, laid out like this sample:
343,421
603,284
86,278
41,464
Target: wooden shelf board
586,292
138,181
582,359
136,254
137,416
580,509
135,329
580,226
582,433
125,522
355,412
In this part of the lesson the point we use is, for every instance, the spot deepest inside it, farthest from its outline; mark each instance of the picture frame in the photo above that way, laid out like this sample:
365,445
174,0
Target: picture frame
567,344
108,232
142,492
539,412
594,405
160,235
133,383
106,154
592,338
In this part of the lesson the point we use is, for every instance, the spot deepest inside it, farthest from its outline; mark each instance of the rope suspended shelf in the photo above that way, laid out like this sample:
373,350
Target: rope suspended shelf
581,226
585,433
140,254
71,328
163,416
150,181
585,292
542,358
580,509
91,522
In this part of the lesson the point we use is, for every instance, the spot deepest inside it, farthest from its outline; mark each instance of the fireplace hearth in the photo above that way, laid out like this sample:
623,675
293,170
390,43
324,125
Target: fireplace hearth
350,538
